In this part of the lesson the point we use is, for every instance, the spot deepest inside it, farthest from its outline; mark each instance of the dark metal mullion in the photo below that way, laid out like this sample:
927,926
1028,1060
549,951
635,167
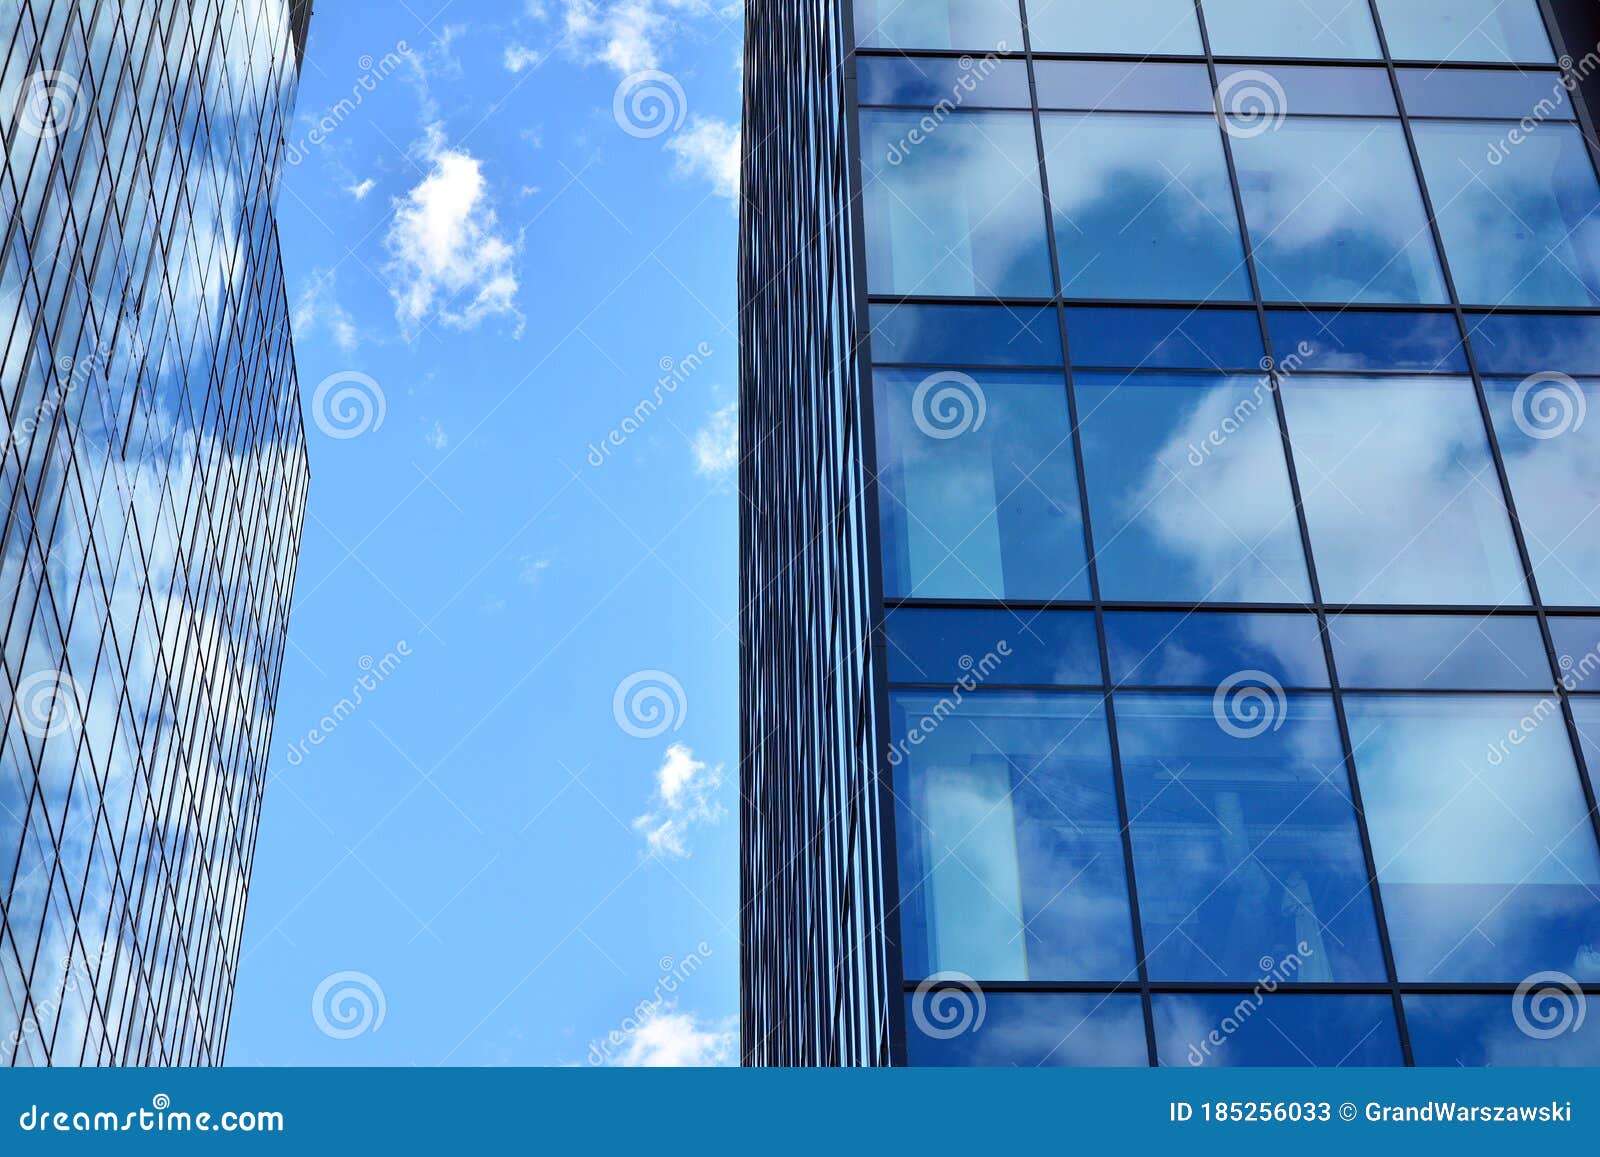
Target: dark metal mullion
1223,987
1524,555
1179,305
1124,823
1359,815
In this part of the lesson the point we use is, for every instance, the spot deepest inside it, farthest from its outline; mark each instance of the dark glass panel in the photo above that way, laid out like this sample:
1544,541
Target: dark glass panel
1109,86
985,335
1358,340
994,648
1276,1031
933,80
1577,641
1528,343
1165,339
1307,90
1454,92
945,1027
1539,1030
1180,649
1440,653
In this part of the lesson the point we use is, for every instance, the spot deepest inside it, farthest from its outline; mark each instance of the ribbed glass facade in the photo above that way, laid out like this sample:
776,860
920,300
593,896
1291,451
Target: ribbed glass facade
154,482
1237,528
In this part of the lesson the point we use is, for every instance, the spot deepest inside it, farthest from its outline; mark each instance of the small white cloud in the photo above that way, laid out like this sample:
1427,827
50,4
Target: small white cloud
316,307
437,438
685,799
631,35
531,568
519,57
716,444
709,148
679,1040
361,188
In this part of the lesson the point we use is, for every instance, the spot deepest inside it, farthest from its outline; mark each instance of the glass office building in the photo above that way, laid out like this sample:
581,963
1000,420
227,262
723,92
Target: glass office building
1172,533
154,480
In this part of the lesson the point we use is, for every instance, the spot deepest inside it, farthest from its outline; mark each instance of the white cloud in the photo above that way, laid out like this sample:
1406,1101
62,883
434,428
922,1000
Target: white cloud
716,444
709,148
437,438
316,307
677,1040
531,568
685,799
519,57
361,188
449,257
631,35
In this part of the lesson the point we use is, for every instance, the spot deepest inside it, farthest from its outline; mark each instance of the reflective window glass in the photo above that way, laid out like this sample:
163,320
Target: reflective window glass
1165,339
1549,431
1457,92
1530,343
1245,844
929,80
1281,1030
956,210
1586,715
982,335
1179,649
1577,641
1335,213
1189,490
986,25
1400,492
1354,340
1485,1031
1104,86
1521,223
993,648
1031,1030
1486,858
1137,27
979,486
1143,207
1440,653
1496,30
1329,29
1011,863
1306,90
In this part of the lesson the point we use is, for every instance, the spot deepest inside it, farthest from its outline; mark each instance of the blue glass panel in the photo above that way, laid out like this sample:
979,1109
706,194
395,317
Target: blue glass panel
1336,214
1454,92
1484,1031
1143,207
1521,223
1026,1030
1277,1031
1551,448
983,335
979,486
993,647
1011,863
956,209
1400,492
1486,858
931,80
1357,340
981,25
1309,90
1134,27
1189,490
1245,844
1440,653
1577,643
1494,30
1179,649
1106,86
1325,29
1165,339
1528,343
1586,715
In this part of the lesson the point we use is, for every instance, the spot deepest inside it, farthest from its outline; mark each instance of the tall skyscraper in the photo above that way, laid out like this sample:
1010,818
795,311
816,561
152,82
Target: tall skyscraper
1171,532
154,482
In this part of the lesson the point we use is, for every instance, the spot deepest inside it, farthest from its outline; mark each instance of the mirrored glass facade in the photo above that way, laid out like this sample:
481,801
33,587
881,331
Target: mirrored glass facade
154,477
1225,413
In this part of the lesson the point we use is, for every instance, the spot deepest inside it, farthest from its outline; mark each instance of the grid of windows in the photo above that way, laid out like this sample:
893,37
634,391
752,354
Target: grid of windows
154,479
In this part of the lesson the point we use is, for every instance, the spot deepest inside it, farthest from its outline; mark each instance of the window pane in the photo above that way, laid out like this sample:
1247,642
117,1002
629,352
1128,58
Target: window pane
1577,643
980,335
1310,90
1521,231
1245,844
1440,653
993,647
1427,343
977,24
1197,650
1529,343
980,486
928,80
1454,92
1165,339
1011,860
1103,86
1136,27
1482,1031
1400,492
1335,213
1143,207
1281,1030
1318,28
1552,457
956,210
1168,530
1586,714
1498,30
1032,1030
1479,828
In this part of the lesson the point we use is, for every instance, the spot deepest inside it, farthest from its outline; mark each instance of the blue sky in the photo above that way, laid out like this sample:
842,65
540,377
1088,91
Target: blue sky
523,829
